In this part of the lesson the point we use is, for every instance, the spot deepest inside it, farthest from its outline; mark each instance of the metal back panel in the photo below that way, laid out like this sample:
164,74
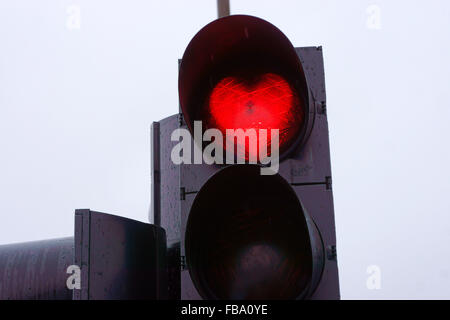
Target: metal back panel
119,258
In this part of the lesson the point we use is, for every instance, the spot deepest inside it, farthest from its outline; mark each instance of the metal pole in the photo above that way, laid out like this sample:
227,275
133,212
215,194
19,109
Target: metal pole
223,8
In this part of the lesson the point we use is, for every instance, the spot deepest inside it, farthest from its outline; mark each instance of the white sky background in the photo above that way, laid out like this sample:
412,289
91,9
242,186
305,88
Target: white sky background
76,106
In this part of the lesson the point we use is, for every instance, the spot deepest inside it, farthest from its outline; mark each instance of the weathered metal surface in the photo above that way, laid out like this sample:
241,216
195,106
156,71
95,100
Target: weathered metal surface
318,203
310,162
36,270
119,258
168,190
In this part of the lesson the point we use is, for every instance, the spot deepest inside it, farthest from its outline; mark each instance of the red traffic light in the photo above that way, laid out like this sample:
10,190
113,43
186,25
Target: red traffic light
266,101
241,72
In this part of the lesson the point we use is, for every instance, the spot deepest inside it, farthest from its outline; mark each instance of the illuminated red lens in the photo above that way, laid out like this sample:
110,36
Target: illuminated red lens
265,102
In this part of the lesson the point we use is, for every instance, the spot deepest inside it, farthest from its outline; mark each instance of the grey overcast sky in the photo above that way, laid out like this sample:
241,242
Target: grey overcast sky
77,98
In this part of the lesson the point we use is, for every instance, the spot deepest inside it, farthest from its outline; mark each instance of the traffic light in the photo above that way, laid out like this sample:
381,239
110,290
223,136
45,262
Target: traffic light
251,216
109,258
242,204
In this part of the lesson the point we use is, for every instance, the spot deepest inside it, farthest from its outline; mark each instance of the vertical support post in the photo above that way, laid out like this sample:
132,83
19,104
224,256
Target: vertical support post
223,8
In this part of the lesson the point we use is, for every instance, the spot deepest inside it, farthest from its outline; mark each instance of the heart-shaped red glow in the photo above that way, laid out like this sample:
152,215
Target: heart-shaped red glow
266,103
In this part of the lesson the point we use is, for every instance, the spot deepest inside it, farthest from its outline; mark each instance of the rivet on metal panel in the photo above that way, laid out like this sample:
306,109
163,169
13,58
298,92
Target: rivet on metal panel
331,253
183,262
180,119
328,182
182,193
321,107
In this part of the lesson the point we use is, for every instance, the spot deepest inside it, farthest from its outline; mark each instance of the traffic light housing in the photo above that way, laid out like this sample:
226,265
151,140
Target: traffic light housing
233,233
120,258
108,258
241,72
